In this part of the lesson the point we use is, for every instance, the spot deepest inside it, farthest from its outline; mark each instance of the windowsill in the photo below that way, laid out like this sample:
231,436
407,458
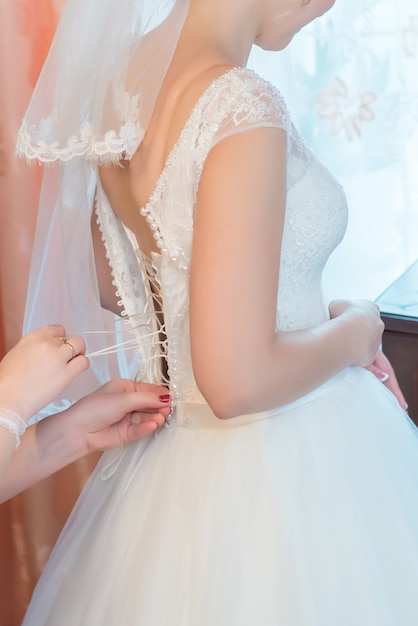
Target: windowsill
400,299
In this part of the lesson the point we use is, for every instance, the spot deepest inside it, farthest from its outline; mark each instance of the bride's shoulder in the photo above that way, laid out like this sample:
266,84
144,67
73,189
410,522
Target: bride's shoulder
241,96
243,80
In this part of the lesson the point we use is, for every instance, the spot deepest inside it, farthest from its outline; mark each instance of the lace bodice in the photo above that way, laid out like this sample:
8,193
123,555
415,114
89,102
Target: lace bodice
315,221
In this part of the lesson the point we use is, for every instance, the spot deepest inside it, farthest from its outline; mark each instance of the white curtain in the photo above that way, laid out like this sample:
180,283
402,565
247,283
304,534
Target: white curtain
351,83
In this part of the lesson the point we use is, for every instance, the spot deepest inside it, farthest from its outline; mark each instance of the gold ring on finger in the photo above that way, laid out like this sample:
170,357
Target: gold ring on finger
65,341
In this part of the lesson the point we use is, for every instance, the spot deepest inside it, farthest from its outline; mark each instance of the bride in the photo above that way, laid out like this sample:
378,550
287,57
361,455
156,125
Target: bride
284,487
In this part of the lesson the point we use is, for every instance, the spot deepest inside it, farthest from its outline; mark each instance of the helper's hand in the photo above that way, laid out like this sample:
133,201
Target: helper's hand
119,412
39,368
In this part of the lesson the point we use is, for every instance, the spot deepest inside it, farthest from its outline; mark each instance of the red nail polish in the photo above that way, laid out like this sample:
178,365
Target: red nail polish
165,398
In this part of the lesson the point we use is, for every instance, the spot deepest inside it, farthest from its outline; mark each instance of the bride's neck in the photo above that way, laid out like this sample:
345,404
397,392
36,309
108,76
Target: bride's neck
224,30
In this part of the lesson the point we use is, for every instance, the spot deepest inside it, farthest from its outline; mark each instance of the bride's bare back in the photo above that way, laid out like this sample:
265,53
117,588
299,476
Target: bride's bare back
196,63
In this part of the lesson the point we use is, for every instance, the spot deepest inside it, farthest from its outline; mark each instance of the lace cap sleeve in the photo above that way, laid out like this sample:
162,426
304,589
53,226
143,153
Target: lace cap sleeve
243,101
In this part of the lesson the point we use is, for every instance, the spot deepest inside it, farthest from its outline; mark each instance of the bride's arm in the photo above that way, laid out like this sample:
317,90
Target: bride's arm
241,363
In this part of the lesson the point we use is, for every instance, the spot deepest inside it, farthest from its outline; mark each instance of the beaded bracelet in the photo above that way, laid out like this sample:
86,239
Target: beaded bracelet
13,423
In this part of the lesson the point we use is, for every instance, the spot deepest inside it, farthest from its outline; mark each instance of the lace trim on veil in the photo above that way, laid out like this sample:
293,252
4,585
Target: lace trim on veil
33,145
40,142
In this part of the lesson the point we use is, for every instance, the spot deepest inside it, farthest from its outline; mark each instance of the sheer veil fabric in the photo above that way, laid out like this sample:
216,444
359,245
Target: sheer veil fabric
96,93
91,106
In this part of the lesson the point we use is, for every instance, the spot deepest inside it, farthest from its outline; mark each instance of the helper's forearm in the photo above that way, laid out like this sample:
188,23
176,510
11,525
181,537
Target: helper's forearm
45,448
7,449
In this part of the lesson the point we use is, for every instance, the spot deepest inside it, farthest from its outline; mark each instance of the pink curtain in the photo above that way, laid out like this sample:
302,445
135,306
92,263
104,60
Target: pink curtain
19,184
30,523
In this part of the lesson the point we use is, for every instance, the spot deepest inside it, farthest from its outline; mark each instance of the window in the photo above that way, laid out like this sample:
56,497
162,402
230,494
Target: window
351,83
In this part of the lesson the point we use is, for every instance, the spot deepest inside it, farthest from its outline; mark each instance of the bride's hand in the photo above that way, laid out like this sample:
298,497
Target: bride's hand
364,318
383,370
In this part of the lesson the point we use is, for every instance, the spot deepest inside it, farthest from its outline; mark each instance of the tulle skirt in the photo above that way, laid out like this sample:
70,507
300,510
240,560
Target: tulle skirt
304,516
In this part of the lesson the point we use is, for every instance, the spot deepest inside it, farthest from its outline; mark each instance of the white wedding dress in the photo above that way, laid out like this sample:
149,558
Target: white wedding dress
302,516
